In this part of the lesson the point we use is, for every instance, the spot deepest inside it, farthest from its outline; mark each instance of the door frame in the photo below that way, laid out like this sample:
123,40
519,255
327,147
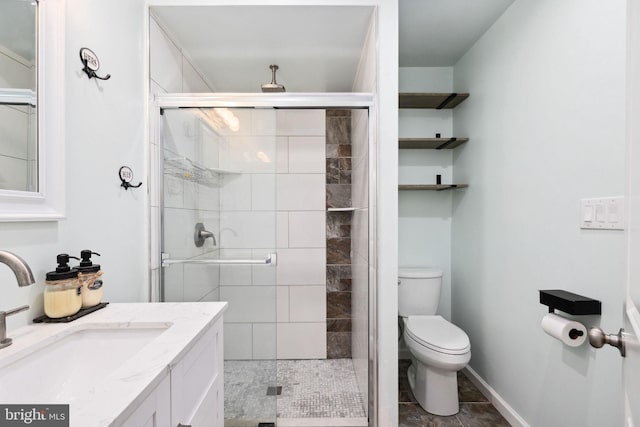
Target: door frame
348,100
631,321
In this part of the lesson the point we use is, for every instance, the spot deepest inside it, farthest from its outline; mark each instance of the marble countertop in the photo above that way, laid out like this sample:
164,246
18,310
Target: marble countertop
116,396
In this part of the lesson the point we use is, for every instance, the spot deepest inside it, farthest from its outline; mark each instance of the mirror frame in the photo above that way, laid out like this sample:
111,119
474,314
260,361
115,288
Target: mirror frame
48,203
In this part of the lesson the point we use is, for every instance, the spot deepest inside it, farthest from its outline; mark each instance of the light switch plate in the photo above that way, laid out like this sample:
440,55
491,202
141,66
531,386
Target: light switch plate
605,213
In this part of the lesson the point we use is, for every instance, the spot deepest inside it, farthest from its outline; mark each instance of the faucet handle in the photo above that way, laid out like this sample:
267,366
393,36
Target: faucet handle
4,341
14,311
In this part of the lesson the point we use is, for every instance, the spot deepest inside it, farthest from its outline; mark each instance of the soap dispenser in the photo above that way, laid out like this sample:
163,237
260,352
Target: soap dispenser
62,290
89,275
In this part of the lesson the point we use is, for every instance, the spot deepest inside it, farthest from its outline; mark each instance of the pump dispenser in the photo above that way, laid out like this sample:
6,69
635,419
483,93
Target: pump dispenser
90,275
63,271
62,291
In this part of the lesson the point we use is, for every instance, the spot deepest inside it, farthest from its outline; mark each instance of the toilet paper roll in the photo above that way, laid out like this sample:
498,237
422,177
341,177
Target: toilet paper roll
568,331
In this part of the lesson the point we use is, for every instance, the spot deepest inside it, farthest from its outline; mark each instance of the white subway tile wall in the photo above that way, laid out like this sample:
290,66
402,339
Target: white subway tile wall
302,266
302,340
300,192
238,341
307,229
249,304
307,303
264,341
307,154
278,202
282,304
275,203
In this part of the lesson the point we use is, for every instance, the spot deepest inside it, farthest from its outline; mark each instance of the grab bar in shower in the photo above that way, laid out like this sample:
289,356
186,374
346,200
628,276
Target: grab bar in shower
270,259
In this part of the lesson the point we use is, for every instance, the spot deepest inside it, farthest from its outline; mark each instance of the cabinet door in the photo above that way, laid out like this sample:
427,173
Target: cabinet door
154,411
197,383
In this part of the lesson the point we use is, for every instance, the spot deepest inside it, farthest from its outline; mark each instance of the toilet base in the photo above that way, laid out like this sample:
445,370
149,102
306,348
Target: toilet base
435,390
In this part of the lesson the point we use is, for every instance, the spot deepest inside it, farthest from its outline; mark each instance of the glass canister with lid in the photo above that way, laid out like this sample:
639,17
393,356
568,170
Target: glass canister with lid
89,276
62,290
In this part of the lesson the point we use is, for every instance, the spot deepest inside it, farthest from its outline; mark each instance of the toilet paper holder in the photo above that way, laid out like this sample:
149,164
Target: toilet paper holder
568,302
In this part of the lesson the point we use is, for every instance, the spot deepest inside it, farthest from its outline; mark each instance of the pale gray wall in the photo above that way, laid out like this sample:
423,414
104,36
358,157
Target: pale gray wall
424,217
546,121
105,129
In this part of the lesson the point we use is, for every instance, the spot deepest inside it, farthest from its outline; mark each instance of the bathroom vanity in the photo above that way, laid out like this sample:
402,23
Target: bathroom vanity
139,364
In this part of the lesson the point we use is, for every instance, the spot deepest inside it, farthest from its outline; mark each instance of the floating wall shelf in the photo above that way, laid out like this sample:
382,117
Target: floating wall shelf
431,187
558,299
431,100
432,143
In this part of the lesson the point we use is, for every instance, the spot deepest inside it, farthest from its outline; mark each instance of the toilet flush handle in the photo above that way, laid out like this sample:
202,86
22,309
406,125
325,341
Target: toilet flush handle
399,281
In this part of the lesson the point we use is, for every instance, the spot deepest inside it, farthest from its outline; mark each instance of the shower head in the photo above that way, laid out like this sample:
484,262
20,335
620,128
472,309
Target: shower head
273,86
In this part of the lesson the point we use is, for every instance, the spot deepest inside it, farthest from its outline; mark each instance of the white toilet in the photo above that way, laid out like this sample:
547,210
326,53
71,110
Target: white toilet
438,348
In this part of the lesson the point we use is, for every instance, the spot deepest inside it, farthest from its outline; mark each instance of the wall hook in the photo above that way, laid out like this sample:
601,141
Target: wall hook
126,176
91,64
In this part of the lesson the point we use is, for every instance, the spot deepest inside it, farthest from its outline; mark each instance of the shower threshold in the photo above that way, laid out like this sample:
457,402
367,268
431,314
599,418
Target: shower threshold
302,422
323,422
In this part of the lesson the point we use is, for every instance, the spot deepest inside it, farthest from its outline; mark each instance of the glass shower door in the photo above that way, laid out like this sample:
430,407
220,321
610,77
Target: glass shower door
219,239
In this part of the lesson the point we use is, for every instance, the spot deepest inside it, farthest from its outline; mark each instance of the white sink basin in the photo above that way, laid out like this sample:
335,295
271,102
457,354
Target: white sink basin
104,365
57,372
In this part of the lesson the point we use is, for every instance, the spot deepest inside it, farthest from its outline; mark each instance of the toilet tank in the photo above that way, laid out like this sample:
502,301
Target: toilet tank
418,291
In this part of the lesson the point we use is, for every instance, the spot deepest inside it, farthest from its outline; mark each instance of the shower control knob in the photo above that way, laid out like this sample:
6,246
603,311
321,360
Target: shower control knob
597,339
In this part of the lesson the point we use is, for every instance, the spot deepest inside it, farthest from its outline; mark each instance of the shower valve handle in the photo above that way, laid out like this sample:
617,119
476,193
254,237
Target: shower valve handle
200,235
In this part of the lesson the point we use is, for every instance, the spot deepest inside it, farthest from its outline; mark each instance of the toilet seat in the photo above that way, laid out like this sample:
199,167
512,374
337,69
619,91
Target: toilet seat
437,334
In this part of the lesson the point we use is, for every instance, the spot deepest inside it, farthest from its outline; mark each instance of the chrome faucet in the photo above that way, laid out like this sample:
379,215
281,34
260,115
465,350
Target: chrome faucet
24,276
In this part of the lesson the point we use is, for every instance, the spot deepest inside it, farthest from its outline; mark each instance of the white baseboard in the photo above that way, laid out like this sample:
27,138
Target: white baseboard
501,405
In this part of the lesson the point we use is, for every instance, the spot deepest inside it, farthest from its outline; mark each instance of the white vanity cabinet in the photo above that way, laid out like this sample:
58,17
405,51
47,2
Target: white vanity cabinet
191,393
197,381
155,410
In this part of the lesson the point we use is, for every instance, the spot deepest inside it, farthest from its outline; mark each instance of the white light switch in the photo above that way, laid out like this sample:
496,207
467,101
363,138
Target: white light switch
602,214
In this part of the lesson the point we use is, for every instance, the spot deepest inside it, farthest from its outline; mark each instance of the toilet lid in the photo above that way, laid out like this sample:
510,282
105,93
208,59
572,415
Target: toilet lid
438,334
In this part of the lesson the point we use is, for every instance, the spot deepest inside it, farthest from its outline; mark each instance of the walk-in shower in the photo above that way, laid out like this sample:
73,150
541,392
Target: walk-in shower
266,205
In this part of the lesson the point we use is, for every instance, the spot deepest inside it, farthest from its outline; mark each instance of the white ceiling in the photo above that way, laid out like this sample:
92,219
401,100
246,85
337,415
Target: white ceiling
317,48
436,33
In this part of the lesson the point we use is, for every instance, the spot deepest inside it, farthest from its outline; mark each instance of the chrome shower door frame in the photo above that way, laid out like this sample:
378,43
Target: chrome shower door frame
348,100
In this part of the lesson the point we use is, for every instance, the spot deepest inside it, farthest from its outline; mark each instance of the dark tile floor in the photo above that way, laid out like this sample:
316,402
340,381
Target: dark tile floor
475,409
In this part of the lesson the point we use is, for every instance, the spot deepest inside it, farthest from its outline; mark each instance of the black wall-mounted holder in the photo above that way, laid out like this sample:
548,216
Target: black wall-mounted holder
126,176
569,302
91,64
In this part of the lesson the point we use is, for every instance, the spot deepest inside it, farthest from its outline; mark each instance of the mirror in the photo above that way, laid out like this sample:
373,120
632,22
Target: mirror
18,96
31,110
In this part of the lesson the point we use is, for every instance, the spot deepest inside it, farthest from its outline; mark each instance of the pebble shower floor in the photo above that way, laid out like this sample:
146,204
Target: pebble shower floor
310,389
